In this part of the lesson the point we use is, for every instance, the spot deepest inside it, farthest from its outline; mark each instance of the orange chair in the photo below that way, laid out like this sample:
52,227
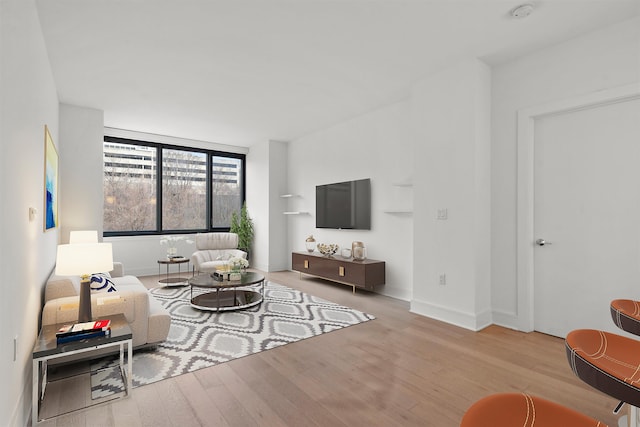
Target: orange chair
626,315
609,363
522,410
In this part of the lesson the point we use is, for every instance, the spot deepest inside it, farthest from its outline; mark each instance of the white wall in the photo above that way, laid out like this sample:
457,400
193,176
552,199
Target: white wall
81,169
266,180
28,102
450,112
258,203
379,146
600,60
278,183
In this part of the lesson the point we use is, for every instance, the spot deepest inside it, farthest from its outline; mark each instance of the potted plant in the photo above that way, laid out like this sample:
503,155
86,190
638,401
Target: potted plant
243,227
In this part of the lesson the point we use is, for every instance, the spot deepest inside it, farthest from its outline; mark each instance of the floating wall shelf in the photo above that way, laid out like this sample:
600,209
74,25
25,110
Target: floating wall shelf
404,195
291,196
399,212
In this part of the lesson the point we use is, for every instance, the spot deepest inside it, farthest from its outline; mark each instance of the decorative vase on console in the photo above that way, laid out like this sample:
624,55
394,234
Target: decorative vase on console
358,251
310,243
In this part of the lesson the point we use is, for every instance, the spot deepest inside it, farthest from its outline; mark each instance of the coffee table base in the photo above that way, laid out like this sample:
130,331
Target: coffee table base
174,281
227,299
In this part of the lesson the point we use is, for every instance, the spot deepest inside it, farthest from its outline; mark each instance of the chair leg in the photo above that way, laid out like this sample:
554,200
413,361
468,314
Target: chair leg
631,419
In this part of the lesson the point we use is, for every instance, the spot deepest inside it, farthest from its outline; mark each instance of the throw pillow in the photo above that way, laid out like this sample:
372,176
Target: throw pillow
100,282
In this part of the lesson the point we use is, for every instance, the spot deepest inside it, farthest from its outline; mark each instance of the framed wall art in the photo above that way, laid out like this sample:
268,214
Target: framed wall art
50,182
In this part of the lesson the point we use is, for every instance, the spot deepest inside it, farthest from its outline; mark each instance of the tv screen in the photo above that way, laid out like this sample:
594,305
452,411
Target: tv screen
344,205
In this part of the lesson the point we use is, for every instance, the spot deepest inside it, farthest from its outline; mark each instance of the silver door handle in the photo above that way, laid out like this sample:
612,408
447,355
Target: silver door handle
542,242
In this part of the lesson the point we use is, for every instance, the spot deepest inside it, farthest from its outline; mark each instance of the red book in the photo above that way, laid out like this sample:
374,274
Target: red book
81,328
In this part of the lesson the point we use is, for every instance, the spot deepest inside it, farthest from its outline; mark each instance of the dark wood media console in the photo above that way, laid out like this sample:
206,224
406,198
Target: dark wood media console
364,274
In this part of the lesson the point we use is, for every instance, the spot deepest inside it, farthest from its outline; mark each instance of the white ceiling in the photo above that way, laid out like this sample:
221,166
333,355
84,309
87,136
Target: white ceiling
242,71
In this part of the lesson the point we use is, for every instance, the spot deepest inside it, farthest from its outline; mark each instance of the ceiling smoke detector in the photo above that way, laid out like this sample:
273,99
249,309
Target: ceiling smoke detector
522,11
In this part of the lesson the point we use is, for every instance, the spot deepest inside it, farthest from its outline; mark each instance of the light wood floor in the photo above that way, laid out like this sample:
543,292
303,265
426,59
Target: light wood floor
398,370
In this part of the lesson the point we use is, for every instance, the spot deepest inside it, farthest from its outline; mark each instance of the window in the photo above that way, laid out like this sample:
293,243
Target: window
129,187
226,187
154,188
184,190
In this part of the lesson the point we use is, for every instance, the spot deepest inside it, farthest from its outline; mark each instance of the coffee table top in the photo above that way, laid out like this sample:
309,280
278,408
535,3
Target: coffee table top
206,281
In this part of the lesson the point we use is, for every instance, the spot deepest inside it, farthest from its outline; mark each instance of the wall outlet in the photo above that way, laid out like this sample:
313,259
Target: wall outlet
443,279
443,214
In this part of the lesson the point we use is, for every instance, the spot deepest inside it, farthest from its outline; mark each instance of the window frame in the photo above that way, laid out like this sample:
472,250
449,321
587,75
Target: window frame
159,147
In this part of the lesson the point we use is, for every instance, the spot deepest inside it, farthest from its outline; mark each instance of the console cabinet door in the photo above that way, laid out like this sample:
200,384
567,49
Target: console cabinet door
300,262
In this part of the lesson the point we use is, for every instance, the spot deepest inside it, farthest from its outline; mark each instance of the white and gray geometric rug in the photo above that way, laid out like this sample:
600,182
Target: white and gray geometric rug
199,339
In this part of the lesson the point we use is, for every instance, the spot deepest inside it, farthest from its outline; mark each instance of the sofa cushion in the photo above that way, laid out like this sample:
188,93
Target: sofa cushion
61,286
102,283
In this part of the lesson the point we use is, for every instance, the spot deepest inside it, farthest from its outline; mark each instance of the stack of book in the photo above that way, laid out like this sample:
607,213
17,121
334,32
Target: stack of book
81,331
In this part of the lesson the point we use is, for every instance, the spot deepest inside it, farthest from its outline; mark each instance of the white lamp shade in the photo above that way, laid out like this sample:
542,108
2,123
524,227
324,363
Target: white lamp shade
84,258
83,236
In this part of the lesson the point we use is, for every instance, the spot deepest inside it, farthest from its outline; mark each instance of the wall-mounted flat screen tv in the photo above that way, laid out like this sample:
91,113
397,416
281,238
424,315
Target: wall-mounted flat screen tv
344,205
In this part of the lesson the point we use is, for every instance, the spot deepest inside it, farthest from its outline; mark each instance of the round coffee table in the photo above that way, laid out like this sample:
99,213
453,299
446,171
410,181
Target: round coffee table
212,295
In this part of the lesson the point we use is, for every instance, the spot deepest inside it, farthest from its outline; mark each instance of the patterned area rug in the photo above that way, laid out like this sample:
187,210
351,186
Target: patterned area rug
199,339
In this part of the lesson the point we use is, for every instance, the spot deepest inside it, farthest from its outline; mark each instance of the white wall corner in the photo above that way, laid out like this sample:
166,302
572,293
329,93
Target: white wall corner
506,319
397,292
471,321
278,231
81,169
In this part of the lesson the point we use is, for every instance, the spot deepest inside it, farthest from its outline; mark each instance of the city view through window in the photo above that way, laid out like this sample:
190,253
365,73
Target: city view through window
134,202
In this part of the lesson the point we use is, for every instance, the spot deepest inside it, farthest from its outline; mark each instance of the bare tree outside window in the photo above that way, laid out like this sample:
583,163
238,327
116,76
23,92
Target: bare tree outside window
129,187
184,190
226,185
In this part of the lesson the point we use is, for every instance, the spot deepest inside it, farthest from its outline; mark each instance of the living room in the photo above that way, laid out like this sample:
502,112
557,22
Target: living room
470,169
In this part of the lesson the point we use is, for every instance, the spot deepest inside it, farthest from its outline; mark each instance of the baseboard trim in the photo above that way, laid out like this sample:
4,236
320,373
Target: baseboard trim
505,319
474,322
394,292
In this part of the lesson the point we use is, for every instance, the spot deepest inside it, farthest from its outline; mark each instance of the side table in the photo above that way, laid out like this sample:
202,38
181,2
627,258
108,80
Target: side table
46,348
173,281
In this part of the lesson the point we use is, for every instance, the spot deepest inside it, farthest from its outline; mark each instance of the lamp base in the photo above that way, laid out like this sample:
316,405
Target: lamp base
84,309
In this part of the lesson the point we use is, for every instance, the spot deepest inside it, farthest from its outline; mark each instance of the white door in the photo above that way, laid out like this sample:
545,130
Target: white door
587,205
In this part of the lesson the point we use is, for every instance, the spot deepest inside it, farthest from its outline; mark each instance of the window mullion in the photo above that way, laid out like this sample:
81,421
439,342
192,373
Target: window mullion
209,190
159,163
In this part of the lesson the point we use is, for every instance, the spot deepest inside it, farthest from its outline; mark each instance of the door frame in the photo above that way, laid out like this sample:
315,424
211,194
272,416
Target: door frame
525,186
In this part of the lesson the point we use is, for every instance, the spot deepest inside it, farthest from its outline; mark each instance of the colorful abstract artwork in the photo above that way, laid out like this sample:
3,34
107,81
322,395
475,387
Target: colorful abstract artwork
50,182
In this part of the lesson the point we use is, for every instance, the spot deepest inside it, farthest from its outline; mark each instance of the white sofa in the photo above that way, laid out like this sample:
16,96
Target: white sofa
149,321
214,250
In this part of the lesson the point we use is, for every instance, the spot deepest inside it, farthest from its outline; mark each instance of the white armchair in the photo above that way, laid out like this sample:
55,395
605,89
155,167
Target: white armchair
213,250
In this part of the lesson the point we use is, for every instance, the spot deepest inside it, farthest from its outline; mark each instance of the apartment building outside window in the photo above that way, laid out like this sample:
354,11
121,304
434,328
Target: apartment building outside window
154,188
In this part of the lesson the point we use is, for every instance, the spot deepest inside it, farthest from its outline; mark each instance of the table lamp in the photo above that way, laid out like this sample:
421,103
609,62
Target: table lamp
84,259
83,236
